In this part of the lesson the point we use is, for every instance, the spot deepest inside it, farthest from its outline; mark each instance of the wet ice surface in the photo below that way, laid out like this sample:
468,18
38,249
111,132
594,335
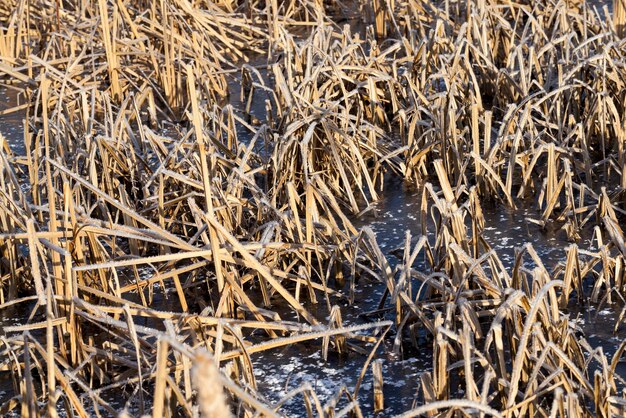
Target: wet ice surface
261,79
505,229
281,371
600,4
11,125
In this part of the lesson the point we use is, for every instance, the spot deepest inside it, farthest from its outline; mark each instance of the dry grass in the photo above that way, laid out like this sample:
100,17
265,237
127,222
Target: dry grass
155,237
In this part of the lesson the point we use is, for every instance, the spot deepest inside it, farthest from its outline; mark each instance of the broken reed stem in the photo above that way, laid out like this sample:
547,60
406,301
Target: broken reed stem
377,372
619,17
108,36
207,381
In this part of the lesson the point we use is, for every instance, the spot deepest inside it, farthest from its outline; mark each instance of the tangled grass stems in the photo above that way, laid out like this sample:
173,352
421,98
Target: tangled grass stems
178,209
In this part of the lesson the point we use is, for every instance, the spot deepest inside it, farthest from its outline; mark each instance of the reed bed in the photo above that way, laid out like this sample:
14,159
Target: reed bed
194,170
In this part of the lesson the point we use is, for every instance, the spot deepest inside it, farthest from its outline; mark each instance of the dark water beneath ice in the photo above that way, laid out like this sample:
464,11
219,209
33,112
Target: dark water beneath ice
11,124
281,371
